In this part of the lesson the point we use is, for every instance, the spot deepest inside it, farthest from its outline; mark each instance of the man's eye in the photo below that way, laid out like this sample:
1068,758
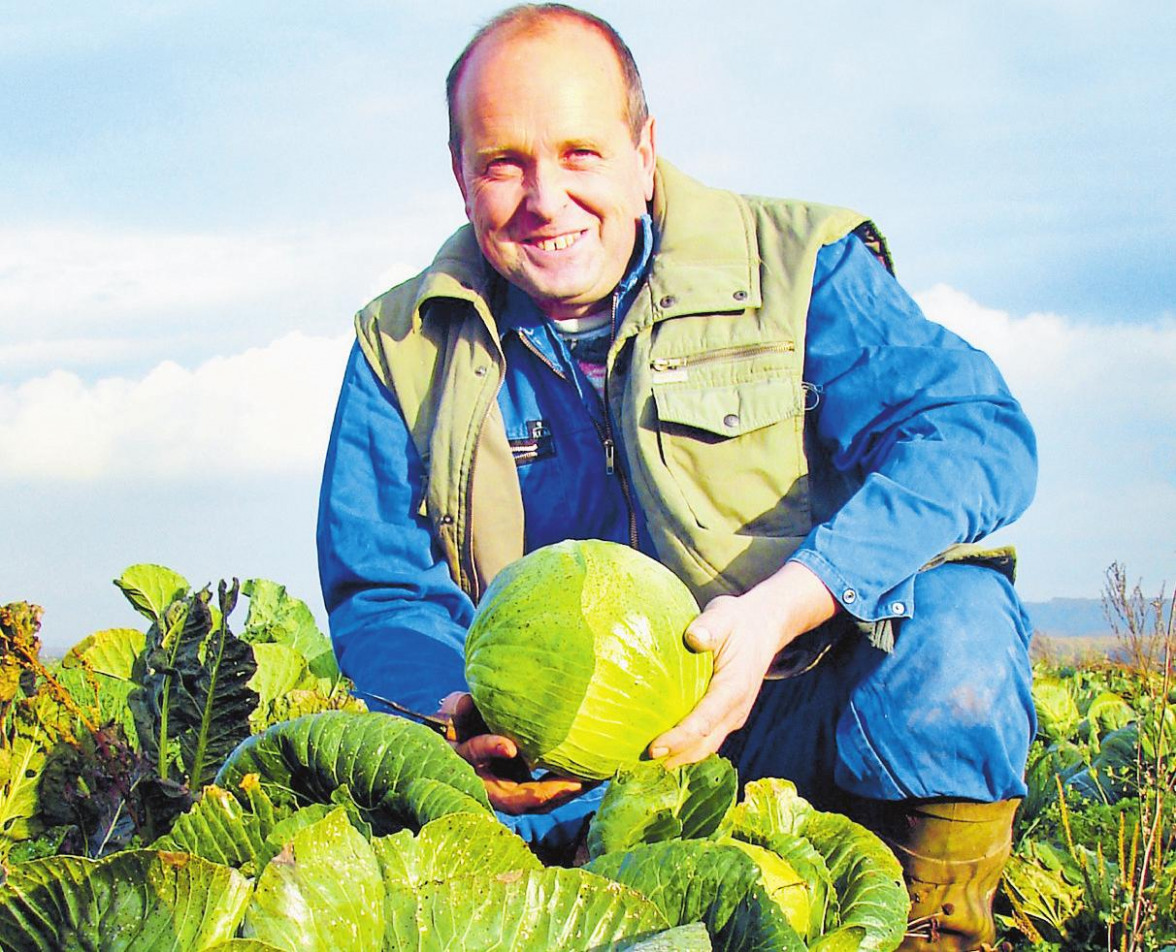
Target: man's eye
501,165
582,155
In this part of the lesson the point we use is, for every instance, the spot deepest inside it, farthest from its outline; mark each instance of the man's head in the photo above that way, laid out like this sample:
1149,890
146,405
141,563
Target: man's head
553,150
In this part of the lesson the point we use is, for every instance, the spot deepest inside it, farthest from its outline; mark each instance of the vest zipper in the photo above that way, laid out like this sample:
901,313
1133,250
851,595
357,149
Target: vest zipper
607,437
745,352
604,433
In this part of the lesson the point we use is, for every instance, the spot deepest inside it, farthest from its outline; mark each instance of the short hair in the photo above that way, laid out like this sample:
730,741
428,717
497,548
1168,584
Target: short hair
531,18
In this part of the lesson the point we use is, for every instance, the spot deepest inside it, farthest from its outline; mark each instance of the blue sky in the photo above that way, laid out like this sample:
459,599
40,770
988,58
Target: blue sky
197,196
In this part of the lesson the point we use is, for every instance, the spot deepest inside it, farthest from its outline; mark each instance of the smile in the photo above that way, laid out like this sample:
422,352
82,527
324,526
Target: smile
558,243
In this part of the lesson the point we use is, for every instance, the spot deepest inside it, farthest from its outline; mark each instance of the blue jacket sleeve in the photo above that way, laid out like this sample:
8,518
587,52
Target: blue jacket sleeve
915,441
397,618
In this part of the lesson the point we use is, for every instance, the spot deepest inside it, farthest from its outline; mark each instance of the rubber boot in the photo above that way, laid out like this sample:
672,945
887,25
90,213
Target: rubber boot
952,854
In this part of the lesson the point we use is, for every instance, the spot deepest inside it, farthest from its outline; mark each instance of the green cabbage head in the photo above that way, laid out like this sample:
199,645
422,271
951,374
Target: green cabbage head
576,653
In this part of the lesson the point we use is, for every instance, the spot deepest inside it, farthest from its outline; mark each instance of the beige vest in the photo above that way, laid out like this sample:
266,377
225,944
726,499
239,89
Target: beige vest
704,388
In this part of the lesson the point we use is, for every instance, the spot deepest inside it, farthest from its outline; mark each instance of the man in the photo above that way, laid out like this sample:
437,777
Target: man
736,386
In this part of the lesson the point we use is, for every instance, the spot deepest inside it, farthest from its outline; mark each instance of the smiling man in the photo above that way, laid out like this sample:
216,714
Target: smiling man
738,387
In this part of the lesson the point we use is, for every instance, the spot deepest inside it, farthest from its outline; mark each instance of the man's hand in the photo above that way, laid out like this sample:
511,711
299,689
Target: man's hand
745,632
496,760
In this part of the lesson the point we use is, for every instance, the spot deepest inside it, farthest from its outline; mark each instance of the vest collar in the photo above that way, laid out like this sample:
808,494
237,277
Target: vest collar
705,261
458,272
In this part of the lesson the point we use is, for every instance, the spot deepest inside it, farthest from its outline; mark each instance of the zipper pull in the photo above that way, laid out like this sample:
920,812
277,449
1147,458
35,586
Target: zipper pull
610,456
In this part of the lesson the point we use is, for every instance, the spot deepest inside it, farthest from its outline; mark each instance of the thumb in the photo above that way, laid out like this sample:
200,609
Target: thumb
699,637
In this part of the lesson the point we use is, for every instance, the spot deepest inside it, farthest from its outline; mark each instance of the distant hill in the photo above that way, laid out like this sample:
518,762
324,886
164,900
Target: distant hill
1069,618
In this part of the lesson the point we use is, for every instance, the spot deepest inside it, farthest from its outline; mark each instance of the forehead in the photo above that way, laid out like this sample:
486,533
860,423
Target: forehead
556,80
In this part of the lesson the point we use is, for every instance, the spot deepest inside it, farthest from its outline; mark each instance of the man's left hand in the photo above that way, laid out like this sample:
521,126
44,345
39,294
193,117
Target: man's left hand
745,633
496,761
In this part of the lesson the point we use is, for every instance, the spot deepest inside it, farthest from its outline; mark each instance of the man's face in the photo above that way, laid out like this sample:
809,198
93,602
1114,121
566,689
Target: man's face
552,180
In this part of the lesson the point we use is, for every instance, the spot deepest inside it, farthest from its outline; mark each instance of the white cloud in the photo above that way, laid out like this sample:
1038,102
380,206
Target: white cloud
1102,399
266,410
66,286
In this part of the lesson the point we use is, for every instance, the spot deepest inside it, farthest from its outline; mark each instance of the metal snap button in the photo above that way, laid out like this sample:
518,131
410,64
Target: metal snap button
668,301
481,371
731,420
897,608
849,596
740,295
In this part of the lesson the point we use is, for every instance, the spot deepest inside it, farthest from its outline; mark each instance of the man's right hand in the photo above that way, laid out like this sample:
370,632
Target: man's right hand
496,760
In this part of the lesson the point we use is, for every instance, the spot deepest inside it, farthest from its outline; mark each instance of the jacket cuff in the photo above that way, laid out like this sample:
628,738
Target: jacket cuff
864,600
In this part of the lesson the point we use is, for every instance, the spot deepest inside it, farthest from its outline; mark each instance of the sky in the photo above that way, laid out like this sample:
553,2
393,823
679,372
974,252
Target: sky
195,197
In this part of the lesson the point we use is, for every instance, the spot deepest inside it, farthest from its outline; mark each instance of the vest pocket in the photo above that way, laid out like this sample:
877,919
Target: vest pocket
734,449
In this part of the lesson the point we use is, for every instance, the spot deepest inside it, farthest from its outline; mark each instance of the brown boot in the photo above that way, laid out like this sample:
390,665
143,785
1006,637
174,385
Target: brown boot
952,854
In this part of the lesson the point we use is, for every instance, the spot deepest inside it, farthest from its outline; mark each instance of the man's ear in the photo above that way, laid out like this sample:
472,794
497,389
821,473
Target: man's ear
647,155
455,164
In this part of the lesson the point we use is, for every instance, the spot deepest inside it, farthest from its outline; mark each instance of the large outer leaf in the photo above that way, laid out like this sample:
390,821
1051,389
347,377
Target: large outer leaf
151,589
1046,764
1038,889
1108,712
702,881
866,876
323,892
460,844
111,652
278,617
1111,774
218,828
194,688
280,670
104,699
402,772
535,911
21,764
645,803
136,900
1057,708
216,701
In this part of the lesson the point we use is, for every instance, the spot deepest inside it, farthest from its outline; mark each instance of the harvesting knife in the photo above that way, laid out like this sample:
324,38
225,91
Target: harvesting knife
441,723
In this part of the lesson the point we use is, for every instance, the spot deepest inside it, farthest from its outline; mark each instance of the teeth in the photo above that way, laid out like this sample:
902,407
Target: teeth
558,244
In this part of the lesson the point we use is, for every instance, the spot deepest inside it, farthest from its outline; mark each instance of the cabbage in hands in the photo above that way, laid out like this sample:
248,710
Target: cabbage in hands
577,654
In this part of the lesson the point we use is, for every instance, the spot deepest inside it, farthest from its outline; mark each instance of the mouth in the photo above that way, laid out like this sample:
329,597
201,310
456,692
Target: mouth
556,243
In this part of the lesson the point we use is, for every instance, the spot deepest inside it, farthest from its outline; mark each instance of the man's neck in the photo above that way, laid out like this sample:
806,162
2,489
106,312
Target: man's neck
583,323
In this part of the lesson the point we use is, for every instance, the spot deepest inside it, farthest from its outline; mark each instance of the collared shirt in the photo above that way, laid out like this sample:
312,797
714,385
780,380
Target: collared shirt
915,444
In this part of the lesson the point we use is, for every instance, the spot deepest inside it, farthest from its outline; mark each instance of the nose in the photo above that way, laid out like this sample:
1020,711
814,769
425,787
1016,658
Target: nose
546,190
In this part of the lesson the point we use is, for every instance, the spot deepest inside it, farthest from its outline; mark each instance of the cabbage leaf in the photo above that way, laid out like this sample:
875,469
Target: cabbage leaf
645,803
400,773
140,899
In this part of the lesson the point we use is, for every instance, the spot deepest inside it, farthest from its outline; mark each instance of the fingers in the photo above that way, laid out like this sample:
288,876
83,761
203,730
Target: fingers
455,703
723,709
482,750
459,707
508,782
707,631
536,796
741,658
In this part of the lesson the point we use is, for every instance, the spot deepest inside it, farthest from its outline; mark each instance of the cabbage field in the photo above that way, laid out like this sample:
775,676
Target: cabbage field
203,781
